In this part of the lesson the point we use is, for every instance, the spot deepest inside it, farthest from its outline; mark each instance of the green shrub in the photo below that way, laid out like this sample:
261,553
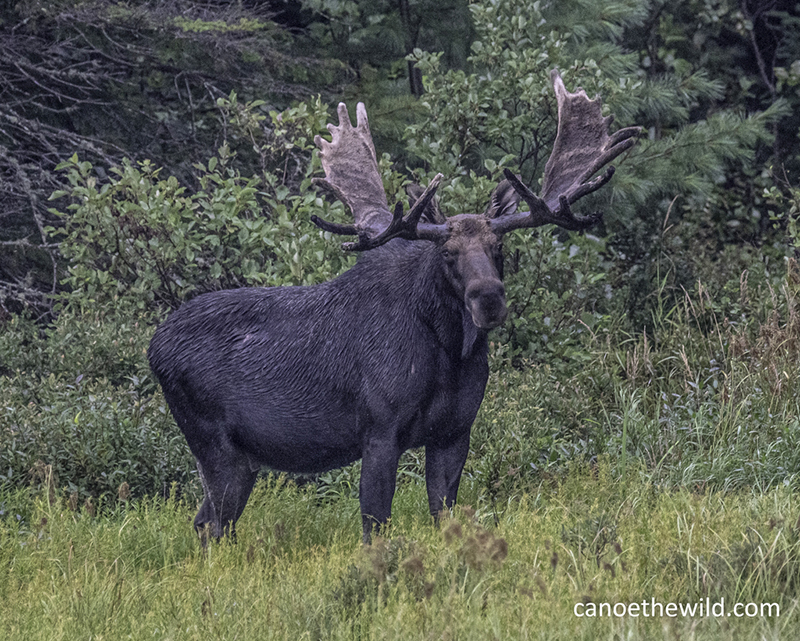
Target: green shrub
89,345
143,241
81,412
88,437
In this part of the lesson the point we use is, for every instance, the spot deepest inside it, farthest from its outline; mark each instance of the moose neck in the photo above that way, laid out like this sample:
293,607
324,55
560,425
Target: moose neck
417,270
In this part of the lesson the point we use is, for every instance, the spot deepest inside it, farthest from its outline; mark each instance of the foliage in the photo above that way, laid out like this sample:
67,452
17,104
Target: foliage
108,80
502,114
79,413
373,37
786,199
143,241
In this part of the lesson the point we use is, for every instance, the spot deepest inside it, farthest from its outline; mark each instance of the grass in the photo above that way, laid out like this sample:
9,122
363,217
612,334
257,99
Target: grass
298,571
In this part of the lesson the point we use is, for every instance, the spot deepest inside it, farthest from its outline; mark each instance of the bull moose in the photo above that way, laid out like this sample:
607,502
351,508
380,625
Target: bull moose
388,356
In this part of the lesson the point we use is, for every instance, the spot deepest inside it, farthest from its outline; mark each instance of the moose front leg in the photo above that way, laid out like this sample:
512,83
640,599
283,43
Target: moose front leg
443,465
378,481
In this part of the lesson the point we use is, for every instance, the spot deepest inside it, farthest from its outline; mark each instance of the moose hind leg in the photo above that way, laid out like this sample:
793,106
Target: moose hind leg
227,486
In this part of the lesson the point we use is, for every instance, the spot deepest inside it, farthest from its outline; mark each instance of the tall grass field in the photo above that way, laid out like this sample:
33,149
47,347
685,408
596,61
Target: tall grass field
529,569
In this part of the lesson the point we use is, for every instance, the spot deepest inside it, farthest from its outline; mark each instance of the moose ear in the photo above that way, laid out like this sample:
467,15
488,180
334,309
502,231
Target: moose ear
431,213
504,200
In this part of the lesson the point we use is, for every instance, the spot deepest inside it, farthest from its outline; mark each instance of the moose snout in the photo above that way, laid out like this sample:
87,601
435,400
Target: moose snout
486,301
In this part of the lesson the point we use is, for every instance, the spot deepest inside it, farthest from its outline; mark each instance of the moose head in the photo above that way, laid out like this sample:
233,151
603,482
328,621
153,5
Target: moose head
471,244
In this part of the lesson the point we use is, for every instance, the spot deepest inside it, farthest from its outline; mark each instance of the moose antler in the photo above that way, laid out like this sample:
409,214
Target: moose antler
582,148
351,174
351,168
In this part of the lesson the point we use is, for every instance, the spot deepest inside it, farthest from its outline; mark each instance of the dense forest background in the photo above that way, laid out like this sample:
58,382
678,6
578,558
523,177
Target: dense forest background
150,151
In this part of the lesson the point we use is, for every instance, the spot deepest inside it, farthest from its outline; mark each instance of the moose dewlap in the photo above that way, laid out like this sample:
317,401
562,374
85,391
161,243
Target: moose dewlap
390,355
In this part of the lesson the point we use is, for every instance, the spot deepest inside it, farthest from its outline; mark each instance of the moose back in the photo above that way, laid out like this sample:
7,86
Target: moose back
389,356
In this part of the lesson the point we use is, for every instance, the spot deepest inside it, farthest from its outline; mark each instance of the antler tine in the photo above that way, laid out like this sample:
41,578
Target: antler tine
582,147
366,241
407,227
432,213
422,202
540,214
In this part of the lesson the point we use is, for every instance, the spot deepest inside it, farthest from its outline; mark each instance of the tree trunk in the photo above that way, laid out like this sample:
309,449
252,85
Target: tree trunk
411,33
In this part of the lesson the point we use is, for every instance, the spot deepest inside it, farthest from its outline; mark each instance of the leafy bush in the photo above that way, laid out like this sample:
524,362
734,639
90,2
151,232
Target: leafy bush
92,345
144,241
81,412
786,198
92,437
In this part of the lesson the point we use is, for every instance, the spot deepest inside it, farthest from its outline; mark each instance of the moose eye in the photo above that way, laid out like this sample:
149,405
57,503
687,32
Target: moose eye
448,255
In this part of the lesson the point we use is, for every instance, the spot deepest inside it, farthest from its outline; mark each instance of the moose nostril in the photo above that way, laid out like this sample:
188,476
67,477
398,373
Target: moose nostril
492,305
486,302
